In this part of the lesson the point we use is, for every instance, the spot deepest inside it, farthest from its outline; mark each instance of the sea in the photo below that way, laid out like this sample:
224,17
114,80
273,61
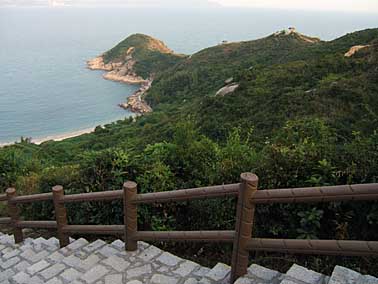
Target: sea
46,91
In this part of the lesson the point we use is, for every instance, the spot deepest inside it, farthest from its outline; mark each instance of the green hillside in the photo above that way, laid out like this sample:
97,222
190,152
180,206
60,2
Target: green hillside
205,71
303,115
151,55
281,77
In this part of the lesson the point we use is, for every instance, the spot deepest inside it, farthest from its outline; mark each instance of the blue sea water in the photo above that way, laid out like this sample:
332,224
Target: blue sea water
46,90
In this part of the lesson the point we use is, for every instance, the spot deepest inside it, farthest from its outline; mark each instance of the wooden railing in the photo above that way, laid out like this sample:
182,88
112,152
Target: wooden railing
248,198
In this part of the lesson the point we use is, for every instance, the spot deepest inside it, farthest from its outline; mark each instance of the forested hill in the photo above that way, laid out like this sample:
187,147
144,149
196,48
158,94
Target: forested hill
152,56
282,76
295,110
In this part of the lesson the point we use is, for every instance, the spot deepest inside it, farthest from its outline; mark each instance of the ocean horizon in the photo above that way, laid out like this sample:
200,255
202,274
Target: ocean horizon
46,90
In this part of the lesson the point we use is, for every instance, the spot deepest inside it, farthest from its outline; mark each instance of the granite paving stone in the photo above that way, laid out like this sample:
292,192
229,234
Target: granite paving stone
42,261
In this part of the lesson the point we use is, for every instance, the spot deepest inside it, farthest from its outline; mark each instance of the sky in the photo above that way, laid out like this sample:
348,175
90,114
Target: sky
324,5
311,5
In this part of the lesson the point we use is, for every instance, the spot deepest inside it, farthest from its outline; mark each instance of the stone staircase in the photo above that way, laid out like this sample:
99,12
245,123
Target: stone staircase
42,261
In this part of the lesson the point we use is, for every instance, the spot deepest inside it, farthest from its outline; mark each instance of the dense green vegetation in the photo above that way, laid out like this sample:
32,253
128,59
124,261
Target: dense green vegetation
304,115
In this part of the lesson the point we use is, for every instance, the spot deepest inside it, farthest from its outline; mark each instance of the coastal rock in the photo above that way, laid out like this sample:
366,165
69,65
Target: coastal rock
99,64
354,49
227,90
135,102
128,79
136,60
124,72
117,71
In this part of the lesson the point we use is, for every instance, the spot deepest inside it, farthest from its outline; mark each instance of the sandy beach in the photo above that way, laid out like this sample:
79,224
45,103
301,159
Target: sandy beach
57,137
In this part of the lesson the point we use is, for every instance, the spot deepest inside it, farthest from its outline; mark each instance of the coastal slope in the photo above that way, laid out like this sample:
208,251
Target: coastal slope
296,111
136,60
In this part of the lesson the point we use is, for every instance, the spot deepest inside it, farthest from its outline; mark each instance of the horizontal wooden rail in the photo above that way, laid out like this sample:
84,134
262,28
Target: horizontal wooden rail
5,221
36,224
93,196
322,247
94,229
356,192
32,198
186,236
188,194
248,196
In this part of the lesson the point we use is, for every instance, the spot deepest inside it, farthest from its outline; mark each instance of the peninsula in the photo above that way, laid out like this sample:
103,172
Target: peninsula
136,60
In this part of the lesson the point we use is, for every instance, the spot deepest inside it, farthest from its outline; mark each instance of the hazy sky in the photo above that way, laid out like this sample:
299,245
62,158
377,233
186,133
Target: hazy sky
323,5
334,5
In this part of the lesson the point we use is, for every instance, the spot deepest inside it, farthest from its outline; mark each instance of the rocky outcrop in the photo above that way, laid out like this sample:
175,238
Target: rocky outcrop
229,80
124,72
354,49
99,64
136,102
118,71
230,88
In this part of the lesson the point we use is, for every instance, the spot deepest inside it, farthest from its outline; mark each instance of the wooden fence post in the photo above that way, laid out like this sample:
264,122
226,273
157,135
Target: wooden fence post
14,214
60,215
130,215
244,224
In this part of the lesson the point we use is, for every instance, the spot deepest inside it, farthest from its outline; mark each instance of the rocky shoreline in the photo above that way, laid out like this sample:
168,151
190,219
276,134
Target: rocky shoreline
124,72
135,102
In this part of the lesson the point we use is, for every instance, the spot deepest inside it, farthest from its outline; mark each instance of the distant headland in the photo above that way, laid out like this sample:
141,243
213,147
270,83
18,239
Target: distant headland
136,60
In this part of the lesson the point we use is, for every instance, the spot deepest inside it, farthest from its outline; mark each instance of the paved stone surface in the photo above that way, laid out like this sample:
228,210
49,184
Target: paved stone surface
343,275
42,261
305,275
263,273
219,274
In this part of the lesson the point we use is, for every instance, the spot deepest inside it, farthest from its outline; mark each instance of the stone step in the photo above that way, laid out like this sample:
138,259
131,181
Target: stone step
42,261
295,275
343,275
259,274
220,273
300,275
81,262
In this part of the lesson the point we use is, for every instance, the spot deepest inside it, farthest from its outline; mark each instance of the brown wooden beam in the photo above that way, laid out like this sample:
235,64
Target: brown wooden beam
130,215
356,192
5,221
60,215
94,229
14,213
322,247
32,198
37,224
3,197
186,236
93,196
188,194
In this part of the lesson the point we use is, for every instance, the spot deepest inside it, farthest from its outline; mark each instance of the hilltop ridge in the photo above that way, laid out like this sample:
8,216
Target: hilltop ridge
294,33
